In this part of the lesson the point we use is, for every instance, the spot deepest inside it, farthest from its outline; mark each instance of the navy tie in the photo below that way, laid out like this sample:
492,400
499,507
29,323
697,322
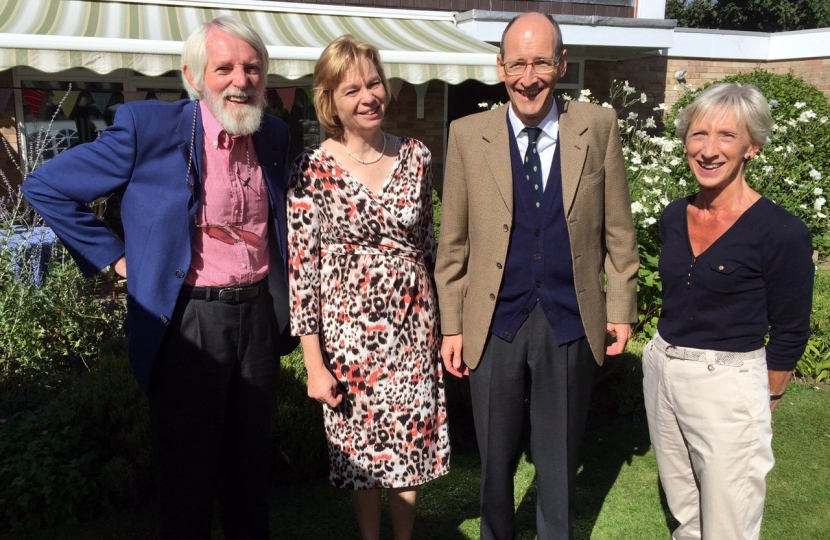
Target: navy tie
533,165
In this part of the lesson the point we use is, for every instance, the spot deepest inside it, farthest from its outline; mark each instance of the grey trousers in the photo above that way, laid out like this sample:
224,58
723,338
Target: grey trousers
559,378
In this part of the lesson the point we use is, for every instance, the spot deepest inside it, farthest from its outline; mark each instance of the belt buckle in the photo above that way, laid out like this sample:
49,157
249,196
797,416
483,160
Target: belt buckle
232,291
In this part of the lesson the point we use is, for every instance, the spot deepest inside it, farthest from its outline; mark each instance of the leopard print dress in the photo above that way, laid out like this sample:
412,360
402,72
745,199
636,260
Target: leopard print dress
360,269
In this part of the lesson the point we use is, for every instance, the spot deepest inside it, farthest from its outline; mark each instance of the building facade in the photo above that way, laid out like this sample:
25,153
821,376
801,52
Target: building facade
439,55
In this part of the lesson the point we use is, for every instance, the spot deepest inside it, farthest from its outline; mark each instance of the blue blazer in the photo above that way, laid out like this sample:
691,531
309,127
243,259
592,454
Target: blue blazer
143,158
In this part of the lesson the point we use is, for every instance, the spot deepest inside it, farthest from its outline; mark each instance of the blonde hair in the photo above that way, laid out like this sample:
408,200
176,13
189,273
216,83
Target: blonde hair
746,102
194,53
342,55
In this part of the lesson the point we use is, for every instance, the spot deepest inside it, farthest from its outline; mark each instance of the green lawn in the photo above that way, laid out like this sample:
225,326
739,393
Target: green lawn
618,494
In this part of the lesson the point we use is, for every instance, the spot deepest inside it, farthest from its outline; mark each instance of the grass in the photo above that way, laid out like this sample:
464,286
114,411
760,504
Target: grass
618,495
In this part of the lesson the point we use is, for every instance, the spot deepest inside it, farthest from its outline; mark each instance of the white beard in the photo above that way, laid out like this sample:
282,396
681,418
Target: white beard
243,121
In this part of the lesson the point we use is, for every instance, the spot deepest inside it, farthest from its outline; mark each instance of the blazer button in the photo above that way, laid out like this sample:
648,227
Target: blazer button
505,228
507,335
179,274
538,284
164,319
498,265
536,231
537,256
525,311
492,297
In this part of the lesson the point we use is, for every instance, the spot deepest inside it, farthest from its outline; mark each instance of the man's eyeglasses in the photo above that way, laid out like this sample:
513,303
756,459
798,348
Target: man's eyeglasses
541,66
229,233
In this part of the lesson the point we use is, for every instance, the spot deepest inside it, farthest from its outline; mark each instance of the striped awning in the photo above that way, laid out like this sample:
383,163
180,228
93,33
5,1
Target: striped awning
147,35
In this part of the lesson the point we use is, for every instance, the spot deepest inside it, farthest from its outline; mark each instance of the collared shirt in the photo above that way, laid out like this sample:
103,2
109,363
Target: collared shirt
546,144
230,246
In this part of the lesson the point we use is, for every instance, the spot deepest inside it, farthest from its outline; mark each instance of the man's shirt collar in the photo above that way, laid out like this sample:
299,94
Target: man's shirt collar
549,124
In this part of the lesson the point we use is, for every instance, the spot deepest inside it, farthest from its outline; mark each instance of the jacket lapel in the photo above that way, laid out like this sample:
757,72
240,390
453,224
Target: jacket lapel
496,149
192,141
574,152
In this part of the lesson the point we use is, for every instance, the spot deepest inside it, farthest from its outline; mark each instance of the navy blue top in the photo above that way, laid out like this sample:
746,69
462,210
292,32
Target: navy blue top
756,279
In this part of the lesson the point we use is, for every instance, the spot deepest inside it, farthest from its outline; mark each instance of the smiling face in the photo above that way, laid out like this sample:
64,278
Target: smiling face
531,37
359,100
234,83
717,147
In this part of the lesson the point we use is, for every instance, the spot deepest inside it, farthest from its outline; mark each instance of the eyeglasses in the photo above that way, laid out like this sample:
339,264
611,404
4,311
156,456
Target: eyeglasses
229,233
541,66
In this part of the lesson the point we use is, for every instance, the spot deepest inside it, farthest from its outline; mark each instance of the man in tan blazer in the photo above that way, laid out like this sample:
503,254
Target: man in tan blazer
537,260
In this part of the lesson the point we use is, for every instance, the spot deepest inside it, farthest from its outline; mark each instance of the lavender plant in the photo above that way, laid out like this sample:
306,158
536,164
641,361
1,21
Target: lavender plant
51,321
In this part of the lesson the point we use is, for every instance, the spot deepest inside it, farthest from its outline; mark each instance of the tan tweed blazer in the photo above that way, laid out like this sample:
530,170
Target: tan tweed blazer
477,217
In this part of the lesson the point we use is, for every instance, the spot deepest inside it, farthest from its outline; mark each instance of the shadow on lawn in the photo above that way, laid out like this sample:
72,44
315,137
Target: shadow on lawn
604,453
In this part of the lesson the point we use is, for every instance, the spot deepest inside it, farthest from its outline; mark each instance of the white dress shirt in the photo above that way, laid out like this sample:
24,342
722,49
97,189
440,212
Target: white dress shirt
545,144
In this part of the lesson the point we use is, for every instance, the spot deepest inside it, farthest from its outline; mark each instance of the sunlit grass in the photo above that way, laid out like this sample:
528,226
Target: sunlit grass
618,495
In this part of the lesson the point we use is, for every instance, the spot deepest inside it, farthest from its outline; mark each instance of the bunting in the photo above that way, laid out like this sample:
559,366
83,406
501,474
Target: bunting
287,97
69,101
33,99
169,97
396,85
101,100
130,96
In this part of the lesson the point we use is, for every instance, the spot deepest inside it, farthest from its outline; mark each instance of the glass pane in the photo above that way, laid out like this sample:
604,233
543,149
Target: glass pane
57,118
293,105
572,74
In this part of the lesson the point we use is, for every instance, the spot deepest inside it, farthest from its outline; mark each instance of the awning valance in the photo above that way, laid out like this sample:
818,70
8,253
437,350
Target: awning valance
102,36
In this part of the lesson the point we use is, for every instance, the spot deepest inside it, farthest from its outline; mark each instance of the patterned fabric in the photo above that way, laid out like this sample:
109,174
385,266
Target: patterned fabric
533,165
360,277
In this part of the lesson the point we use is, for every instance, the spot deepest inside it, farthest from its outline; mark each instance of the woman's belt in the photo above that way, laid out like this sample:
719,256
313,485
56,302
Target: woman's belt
723,358
356,249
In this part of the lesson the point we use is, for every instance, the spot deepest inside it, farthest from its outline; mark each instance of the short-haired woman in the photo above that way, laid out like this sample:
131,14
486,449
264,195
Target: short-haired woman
361,252
736,267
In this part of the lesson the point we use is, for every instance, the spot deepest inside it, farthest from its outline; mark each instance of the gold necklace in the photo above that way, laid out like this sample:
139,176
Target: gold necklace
368,162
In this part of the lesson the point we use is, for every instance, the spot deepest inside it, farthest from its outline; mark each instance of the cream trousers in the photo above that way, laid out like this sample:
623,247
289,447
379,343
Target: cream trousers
710,428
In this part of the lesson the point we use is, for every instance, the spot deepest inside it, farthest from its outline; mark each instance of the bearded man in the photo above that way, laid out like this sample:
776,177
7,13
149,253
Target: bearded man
202,185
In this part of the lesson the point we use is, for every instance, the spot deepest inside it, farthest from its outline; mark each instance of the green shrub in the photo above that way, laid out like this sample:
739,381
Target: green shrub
45,475
58,326
814,366
73,450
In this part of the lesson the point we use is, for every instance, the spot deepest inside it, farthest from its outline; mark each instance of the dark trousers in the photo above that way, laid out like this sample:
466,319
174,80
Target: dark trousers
560,379
212,397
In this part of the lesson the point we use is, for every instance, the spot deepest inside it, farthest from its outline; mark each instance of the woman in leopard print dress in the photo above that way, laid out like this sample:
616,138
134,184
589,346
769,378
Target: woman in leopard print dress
361,256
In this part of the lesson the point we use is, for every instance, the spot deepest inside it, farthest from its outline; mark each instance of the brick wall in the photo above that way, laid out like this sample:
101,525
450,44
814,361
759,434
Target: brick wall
401,120
597,7
655,75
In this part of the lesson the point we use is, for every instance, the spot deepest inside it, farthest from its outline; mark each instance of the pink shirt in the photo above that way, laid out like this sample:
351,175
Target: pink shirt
230,246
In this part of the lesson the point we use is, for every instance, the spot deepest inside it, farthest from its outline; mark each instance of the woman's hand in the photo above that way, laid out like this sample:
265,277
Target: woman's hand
322,385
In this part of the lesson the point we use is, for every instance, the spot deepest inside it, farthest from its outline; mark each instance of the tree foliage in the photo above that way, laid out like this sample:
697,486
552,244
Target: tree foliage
750,15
